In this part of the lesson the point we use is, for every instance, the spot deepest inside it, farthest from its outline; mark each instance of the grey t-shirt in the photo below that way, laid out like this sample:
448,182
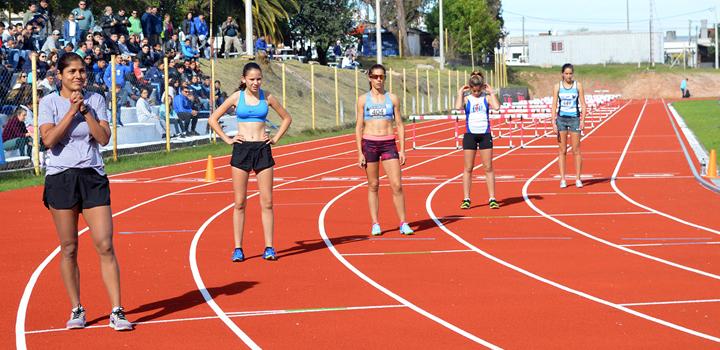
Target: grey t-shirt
77,149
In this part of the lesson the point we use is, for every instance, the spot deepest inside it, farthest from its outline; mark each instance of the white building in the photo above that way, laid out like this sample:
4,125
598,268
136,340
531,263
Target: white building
594,48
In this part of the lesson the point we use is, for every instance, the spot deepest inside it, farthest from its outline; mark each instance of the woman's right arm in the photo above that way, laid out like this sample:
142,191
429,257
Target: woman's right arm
460,99
219,112
359,128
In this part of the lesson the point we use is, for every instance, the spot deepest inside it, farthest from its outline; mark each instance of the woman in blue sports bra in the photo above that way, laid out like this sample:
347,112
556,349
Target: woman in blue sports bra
251,152
375,138
568,117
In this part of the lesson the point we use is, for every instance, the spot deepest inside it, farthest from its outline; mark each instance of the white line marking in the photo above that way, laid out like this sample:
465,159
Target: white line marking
674,302
653,175
156,231
568,193
668,244
428,207
410,253
524,238
540,216
665,238
233,314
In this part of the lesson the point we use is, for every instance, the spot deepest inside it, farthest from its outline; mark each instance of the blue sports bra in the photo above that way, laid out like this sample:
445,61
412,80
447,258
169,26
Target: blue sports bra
378,111
254,113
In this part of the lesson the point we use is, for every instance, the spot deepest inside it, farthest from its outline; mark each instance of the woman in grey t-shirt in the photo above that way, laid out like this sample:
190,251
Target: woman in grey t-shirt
73,124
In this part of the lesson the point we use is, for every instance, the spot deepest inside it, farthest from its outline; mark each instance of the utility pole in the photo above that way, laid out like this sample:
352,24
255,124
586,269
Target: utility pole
716,39
689,41
248,28
627,14
442,39
652,61
378,35
524,54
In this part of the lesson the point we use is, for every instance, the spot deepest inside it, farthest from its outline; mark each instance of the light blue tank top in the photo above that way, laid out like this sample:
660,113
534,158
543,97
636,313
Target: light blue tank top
378,111
254,113
568,105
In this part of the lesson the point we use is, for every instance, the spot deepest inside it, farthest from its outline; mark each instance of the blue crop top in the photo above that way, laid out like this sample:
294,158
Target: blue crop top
254,113
377,111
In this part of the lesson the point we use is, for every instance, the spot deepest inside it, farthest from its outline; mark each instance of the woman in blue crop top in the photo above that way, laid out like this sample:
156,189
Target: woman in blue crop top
375,138
251,151
568,117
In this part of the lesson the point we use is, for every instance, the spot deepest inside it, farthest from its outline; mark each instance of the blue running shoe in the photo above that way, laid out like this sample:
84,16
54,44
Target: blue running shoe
406,230
376,231
269,254
238,255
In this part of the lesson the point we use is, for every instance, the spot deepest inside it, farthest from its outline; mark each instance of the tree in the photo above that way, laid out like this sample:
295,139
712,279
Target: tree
396,14
458,15
323,22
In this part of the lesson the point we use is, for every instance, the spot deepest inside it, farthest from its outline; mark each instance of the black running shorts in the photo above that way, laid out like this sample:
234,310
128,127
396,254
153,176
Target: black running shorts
477,141
252,156
82,187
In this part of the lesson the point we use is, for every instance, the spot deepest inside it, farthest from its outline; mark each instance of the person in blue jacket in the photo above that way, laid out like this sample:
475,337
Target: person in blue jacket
201,30
184,109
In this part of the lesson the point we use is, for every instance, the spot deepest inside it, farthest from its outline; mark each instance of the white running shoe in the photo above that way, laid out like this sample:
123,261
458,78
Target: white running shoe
563,184
77,318
118,321
578,183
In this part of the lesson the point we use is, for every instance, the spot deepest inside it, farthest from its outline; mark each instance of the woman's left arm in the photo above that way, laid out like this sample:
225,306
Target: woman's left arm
583,105
284,115
400,127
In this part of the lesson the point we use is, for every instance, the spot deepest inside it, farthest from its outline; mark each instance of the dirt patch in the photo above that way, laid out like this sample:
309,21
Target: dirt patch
637,85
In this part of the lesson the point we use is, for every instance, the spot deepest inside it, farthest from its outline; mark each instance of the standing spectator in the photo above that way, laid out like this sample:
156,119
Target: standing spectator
188,29
184,109
71,30
684,89
121,28
261,48
146,21
436,47
30,14
52,42
167,29
135,27
108,21
47,13
337,50
84,17
201,30
157,25
230,31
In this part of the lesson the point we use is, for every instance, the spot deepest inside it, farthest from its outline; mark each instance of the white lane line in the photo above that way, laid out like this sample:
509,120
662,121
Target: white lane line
152,231
569,193
525,238
613,183
541,217
666,238
196,239
673,302
428,207
364,277
233,314
653,175
668,244
532,205
410,253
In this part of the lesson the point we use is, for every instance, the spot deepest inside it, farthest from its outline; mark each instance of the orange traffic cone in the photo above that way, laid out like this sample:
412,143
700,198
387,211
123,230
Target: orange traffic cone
712,165
210,170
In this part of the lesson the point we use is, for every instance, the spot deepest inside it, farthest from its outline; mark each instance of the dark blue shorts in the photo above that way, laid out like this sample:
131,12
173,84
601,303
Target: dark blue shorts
82,187
571,124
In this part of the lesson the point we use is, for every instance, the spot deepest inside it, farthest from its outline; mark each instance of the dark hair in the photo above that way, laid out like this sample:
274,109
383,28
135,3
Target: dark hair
566,66
16,113
476,79
66,59
374,67
248,67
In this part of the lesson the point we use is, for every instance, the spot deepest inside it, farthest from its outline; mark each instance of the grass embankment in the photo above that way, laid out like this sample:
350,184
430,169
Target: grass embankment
23,179
703,118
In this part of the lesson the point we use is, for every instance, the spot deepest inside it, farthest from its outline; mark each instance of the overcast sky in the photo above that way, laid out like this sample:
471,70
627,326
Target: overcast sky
563,15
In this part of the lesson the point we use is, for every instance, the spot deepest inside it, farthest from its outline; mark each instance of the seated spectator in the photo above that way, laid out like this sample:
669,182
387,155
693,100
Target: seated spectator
220,96
188,115
82,49
15,135
21,92
189,53
133,44
48,85
145,57
172,45
52,43
199,97
122,45
145,115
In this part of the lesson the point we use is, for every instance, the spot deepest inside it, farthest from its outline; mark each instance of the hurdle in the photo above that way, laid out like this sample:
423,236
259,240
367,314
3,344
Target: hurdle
456,130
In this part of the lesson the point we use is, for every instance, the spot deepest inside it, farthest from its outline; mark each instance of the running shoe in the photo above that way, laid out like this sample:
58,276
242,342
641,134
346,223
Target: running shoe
578,183
238,255
77,318
563,184
118,321
375,230
406,230
465,204
493,204
269,254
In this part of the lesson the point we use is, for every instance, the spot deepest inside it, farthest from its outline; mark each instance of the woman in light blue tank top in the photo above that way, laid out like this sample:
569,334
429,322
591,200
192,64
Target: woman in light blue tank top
376,112
251,151
568,118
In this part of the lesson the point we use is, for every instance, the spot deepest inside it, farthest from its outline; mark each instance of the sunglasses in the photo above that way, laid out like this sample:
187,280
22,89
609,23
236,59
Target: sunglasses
377,76
23,76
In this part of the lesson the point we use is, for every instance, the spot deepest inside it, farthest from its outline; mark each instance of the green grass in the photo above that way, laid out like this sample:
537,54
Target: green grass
703,118
21,179
612,71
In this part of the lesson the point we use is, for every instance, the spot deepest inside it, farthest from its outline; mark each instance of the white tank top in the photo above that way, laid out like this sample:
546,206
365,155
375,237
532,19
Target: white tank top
477,116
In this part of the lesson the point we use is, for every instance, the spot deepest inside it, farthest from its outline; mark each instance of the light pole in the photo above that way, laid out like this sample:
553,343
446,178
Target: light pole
378,36
716,38
442,38
248,28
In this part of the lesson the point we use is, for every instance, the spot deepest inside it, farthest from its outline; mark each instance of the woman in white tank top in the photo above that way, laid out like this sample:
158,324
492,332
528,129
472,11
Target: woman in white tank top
568,118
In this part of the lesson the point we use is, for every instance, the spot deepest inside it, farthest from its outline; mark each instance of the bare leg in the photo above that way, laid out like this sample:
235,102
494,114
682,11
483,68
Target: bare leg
373,175
239,179
392,169
575,140
265,185
562,151
99,220
486,156
469,157
66,221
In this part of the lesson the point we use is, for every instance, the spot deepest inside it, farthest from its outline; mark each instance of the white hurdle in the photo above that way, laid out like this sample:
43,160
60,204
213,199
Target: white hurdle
454,116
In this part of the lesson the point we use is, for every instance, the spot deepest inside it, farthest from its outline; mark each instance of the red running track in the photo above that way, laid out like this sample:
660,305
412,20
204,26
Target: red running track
580,268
